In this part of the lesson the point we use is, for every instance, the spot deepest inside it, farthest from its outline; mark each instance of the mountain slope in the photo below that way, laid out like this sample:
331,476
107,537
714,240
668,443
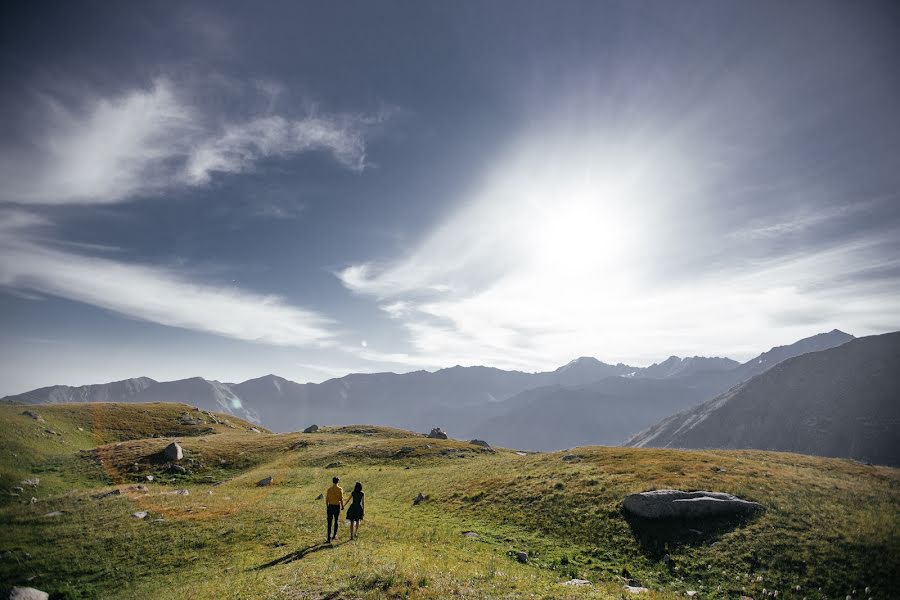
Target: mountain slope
844,401
829,526
116,391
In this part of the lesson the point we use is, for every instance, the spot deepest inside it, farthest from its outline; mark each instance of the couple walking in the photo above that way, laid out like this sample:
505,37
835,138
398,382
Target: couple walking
334,503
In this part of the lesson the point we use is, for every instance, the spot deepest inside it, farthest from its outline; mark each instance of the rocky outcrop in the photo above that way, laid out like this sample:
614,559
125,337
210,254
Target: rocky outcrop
661,504
311,429
437,433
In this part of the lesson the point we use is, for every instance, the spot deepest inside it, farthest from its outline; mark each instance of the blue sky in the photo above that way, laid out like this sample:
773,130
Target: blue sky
310,189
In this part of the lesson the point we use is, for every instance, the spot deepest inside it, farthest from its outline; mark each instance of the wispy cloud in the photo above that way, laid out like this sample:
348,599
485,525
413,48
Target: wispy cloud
146,141
153,293
546,263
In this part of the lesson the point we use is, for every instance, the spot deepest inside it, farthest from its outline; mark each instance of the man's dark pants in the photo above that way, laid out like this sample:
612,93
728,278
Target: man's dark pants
334,512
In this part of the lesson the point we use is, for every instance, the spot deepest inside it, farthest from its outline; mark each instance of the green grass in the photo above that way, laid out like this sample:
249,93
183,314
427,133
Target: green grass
828,524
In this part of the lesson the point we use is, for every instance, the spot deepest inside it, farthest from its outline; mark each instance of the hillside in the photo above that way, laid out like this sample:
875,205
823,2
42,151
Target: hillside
830,526
839,402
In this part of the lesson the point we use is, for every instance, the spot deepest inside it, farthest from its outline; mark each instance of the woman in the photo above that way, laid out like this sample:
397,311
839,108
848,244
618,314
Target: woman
357,507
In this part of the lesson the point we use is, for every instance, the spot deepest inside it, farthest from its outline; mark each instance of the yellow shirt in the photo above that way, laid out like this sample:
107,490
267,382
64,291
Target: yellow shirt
334,495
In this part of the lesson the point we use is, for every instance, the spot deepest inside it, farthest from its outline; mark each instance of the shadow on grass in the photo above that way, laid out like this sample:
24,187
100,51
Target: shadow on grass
656,537
297,555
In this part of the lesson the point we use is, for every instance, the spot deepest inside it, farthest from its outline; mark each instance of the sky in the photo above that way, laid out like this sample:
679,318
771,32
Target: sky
231,189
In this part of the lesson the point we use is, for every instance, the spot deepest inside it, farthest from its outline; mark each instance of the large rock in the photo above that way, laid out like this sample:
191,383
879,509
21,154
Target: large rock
482,443
311,429
438,434
27,593
266,481
661,504
173,452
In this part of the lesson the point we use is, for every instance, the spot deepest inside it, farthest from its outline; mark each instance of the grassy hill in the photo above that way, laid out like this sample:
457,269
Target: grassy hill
830,526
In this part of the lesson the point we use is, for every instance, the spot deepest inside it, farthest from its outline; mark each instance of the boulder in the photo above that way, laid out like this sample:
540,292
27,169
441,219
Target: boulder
482,443
522,557
577,582
661,504
102,495
265,481
636,589
419,499
470,534
437,434
311,429
141,514
27,593
173,452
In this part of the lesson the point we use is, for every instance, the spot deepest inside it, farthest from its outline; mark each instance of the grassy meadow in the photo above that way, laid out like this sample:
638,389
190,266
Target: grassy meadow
831,528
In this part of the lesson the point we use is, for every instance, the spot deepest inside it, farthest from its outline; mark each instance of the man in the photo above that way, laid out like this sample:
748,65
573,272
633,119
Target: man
334,504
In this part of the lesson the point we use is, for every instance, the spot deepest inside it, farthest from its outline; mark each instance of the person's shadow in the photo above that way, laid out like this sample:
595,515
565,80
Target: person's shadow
297,555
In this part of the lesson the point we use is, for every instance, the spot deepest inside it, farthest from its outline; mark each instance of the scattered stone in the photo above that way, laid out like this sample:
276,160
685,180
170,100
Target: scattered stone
320,496
149,478
173,452
470,534
209,493
521,454
134,468
178,469
33,415
419,499
265,481
636,589
660,504
482,443
81,429
255,430
691,594
570,457
27,593
437,434
102,495
32,482
138,488
577,582
55,513
311,429
141,514
334,465
18,488
178,493
522,557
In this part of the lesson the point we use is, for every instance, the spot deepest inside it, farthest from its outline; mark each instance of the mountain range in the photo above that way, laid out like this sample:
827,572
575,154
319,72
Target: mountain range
844,401
584,401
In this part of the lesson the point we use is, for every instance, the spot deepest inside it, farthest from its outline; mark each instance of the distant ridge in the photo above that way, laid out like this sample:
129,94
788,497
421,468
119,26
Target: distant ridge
843,401
586,401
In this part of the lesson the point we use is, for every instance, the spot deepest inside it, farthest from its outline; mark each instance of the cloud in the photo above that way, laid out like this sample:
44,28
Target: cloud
147,141
571,249
155,294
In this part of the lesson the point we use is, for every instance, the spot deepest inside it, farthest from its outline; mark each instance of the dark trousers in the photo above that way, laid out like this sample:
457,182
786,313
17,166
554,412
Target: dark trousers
334,512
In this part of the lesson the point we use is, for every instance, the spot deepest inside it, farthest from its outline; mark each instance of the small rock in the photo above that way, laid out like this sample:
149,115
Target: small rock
691,594
255,430
470,534
173,452
18,488
405,450
102,495
32,482
178,469
81,429
419,499
521,453
482,443
27,593
265,481
138,488
522,557
437,433
636,589
141,514
320,496
311,429
134,468
33,415
570,457
149,478
55,513
178,493
577,582
33,500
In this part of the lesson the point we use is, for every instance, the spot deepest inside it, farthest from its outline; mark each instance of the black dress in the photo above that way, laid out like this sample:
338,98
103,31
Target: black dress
355,512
